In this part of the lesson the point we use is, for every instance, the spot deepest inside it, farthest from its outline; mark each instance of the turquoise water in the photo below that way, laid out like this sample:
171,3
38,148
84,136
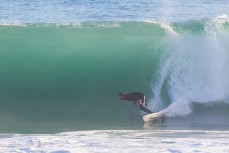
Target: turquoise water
71,75
62,64
66,77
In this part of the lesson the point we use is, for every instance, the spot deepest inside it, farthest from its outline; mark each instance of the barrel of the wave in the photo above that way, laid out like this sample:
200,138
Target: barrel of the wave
69,74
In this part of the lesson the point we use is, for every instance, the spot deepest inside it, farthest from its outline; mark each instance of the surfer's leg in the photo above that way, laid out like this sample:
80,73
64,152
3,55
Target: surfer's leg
145,103
144,108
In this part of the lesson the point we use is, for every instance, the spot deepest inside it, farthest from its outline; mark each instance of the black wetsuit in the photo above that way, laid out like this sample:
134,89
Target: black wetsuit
134,96
138,97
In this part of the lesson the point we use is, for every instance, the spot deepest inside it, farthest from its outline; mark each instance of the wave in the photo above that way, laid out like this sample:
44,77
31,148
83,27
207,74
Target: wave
67,76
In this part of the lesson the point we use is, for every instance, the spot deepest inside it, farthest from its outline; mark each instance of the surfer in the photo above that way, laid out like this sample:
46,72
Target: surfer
136,97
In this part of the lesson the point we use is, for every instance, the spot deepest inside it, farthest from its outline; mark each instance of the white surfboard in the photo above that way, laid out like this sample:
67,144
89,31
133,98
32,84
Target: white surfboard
153,116
183,102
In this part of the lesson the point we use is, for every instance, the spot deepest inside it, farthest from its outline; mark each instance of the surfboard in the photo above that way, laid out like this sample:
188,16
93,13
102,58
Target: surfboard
153,116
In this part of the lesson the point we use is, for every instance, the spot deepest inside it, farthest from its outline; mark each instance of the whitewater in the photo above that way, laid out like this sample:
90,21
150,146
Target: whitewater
62,64
119,141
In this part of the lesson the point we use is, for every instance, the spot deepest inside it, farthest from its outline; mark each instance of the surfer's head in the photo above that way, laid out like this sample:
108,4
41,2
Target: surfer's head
121,96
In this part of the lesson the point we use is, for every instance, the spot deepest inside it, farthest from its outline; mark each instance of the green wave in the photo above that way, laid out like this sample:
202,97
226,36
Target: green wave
58,77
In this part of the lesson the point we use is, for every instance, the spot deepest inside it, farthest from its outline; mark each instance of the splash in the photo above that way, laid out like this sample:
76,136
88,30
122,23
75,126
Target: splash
194,68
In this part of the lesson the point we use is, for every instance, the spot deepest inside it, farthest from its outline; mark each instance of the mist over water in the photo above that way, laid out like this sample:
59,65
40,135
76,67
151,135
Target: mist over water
193,72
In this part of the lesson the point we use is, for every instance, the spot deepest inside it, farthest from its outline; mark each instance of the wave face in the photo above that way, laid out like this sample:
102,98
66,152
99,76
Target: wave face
68,76
58,77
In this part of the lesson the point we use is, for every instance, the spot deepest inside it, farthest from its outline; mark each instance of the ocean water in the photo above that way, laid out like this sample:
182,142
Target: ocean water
62,64
119,141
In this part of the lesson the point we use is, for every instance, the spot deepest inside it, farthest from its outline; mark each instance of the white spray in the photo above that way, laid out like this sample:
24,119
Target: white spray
196,68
